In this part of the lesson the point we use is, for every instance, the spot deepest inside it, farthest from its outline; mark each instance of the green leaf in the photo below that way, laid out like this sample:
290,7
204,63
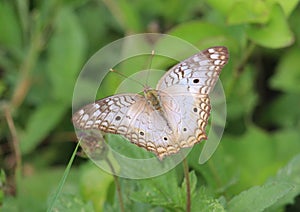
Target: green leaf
291,175
34,189
253,152
162,190
276,192
66,55
287,144
223,6
294,23
287,77
219,172
275,34
283,111
93,29
248,12
70,202
258,198
128,16
203,201
40,123
11,33
10,204
250,9
193,183
94,185
242,97
287,6
2,185
202,34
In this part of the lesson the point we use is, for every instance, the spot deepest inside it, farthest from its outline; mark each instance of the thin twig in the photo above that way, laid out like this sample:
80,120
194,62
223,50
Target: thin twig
117,184
188,186
15,141
26,68
40,36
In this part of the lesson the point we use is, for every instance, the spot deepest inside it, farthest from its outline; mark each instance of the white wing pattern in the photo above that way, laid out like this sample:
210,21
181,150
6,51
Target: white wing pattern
165,119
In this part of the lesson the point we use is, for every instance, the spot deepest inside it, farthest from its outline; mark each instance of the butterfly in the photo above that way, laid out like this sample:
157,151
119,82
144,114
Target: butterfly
165,119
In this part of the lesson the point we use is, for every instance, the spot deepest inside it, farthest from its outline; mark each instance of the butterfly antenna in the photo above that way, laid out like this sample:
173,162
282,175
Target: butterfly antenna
126,77
149,66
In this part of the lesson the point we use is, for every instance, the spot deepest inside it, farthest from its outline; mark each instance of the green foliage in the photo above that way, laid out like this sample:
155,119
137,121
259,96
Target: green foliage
43,47
288,82
278,190
277,23
251,200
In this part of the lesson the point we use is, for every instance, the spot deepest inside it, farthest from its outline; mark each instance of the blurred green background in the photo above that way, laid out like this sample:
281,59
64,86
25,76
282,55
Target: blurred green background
43,46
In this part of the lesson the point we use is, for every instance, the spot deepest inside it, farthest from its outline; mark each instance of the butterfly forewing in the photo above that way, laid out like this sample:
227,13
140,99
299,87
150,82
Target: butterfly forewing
197,74
111,114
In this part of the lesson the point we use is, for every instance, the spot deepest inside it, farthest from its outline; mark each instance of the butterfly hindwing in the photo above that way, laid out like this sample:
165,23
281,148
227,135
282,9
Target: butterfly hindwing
150,130
191,119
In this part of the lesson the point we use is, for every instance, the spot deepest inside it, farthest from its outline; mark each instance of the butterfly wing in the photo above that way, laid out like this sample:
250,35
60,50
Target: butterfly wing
197,74
190,120
109,114
131,116
188,84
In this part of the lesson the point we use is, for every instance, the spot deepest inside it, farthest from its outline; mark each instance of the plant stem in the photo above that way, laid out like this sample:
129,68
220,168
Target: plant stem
15,143
118,187
26,68
188,186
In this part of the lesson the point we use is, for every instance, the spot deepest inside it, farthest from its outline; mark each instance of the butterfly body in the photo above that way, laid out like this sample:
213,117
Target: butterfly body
165,119
153,99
